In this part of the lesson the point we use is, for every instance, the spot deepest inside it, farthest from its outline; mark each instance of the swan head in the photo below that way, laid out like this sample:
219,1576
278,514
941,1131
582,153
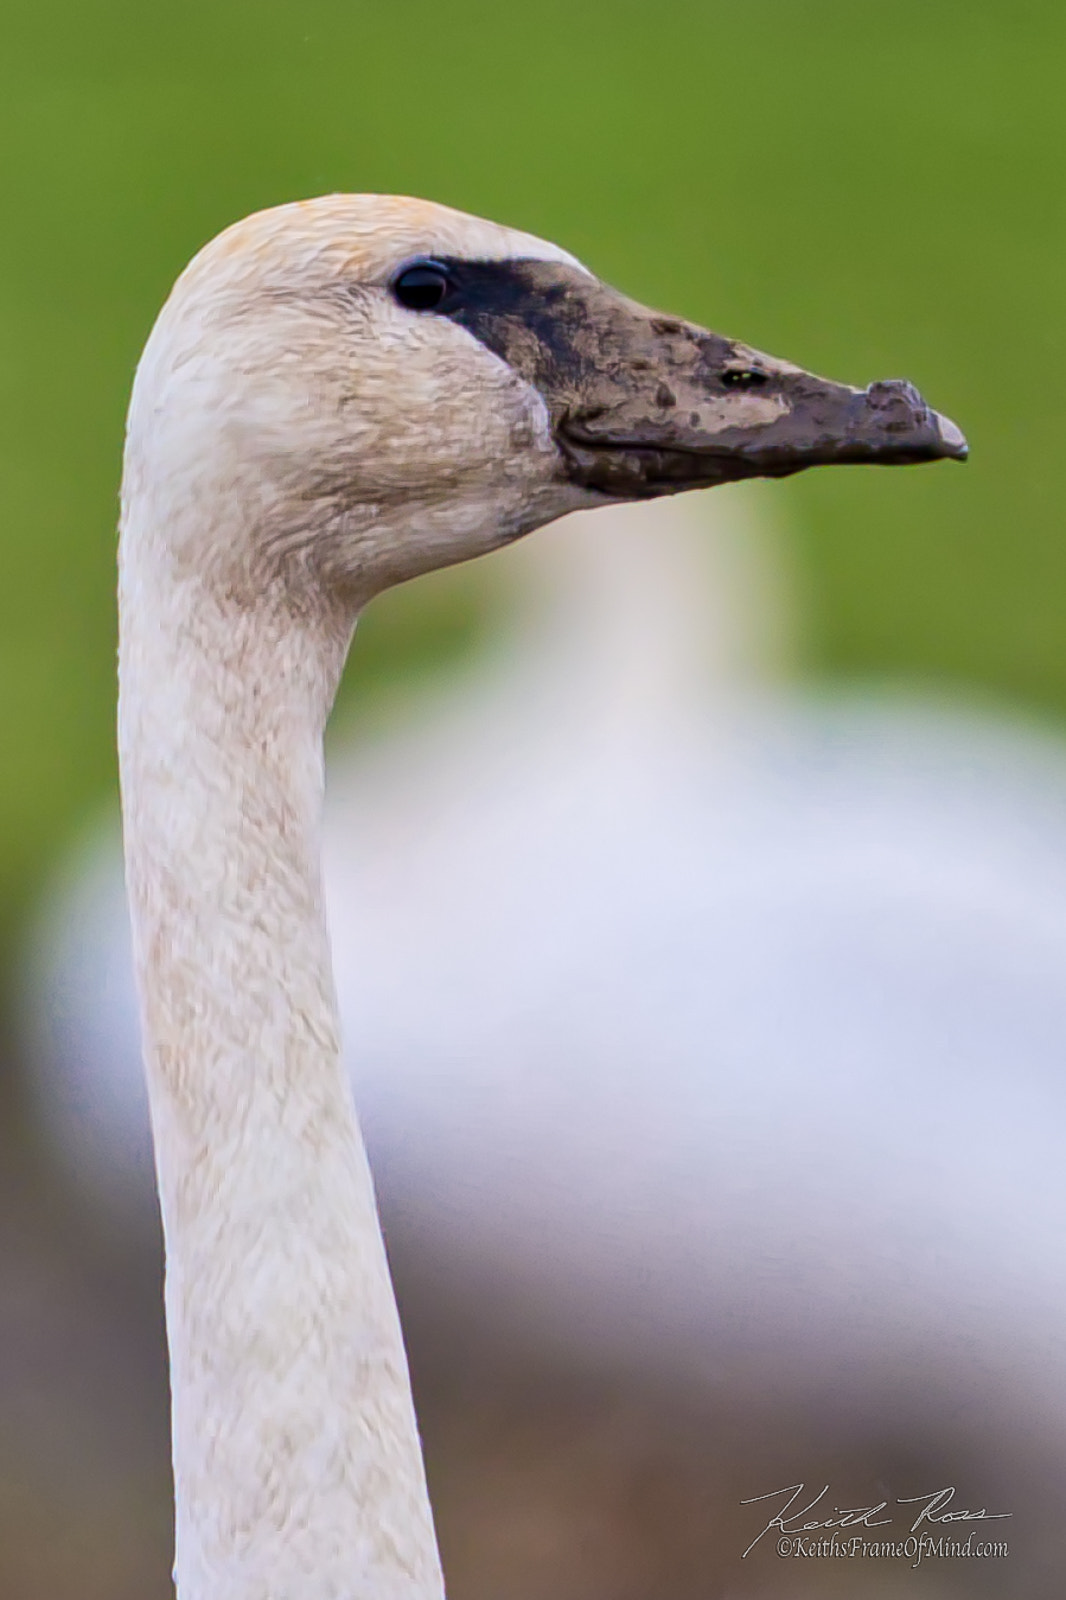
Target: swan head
375,386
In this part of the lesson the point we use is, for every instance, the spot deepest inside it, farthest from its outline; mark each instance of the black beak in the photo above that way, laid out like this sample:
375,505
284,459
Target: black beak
643,404
785,421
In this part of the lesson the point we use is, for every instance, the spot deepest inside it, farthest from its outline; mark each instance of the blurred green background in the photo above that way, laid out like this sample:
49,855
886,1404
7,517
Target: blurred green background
871,190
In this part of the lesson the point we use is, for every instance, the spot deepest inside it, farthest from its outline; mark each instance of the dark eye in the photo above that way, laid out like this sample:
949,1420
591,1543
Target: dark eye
422,287
744,378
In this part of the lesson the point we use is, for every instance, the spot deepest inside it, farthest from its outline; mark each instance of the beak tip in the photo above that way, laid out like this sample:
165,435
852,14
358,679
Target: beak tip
952,438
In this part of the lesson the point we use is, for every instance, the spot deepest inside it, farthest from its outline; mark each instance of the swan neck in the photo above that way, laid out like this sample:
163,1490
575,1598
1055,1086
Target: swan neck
297,1464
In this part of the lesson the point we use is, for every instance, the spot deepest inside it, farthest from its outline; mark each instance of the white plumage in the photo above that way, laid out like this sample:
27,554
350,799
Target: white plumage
305,431
739,1017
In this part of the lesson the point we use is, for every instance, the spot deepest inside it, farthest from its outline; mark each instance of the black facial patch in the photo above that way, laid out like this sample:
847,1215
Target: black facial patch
568,334
642,404
530,313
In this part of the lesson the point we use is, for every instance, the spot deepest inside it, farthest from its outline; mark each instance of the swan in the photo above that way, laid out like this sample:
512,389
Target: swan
339,395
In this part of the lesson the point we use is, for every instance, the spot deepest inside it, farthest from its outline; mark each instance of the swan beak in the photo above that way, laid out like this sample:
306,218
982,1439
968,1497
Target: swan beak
643,404
748,416
689,408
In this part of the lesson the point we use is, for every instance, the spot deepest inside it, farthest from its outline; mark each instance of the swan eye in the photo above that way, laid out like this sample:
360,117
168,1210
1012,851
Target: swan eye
422,287
744,378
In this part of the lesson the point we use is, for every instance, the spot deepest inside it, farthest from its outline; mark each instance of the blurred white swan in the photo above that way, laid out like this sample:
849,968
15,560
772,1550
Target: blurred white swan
741,1016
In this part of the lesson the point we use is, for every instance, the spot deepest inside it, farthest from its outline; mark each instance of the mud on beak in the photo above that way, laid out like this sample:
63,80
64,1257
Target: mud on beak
690,409
748,417
643,404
